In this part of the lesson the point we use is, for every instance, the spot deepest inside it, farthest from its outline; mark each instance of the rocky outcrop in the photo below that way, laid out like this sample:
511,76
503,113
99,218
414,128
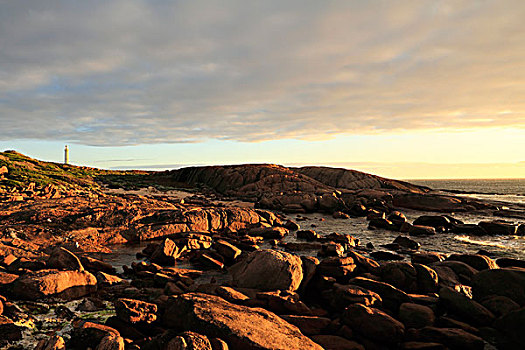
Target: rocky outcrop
240,326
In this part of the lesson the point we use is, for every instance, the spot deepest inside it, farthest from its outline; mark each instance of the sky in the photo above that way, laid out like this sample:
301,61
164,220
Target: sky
403,89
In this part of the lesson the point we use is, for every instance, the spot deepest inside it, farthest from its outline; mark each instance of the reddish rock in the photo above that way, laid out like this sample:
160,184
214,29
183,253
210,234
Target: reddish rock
94,265
111,342
9,330
268,270
189,340
52,283
166,253
135,311
426,258
339,268
477,261
227,250
89,334
498,228
373,324
240,326
418,230
62,259
309,325
269,232
340,296
55,342
392,297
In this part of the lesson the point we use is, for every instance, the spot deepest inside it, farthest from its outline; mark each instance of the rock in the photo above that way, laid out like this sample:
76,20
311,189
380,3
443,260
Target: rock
269,232
340,296
498,228
499,305
231,295
330,203
62,259
268,270
135,311
107,279
509,282
397,218
340,215
334,342
9,330
209,262
426,202
337,267
468,229
426,258
462,270
6,279
55,342
381,223
416,316
309,235
218,344
52,283
291,225
3,170
166,253
332,249
385,255
89,334
439,223
111,342
416,345
309,325
227,250
477,261
513,325
240,326
363,263
189,340
510,262
453,338
418,230
411,278
407,243
373,324
343,238
467,309
391,296
94,265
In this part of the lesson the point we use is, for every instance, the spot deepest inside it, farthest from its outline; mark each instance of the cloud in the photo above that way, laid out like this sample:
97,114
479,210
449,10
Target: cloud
133,72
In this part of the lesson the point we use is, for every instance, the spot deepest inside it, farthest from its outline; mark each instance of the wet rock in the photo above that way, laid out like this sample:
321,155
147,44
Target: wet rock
439,223
381,224
373,324
498,227
416,316
510,262
468,309
477,261
166,253
309,325
463,271
55,342
94,265
363,263
507,282
65,285
407,243
453,338
411,278
332,249
418,230
397,218
342,238
268,270
135,311
468,229
239,326
269,232
309,235
107,279
62,259
209,262
340,215
334,342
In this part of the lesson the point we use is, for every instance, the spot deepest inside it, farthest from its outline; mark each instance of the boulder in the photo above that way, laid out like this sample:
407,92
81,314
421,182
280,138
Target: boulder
426,258
269,232
267,269
166,253
309,325
342,295
227,250
439,223
334,342
62,259
9,330
189,340
509,282
513,325
53,283
477,261
498,228
407,243
466,308
363,263
391,296
135,311
416,316
499,305
373,324
411,278
309,235
418,230
453,338
337,267
111,342
55,342
240,326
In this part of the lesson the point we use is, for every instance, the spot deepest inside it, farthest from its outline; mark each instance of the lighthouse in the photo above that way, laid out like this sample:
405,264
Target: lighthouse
66,155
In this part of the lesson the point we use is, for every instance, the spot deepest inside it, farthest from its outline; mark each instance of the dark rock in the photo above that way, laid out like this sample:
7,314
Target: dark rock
418,230
437,222
391,296
54,342
340,296
467,309
337,267
269,232
166,253
416,316
62,259
334,342
426,258
407,243
509,282
468,229
477,261
513,325
363,263
381,223
309,325
453,338
499,305
309,235
9,330
498,228
510,262
384,255
111,342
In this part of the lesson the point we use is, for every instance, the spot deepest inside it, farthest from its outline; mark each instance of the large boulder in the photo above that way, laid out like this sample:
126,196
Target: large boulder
267,269
466,308
513,325
166,253
240,326
477,261
66,285
509,282
62,259
373,324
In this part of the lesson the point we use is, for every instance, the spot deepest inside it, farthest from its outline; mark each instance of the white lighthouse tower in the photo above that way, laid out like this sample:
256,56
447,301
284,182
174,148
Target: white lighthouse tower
66,155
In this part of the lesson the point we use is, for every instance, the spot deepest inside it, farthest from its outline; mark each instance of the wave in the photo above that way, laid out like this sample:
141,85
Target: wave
467,239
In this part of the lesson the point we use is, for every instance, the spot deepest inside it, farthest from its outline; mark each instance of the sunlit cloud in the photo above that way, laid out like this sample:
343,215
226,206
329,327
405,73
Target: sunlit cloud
136,72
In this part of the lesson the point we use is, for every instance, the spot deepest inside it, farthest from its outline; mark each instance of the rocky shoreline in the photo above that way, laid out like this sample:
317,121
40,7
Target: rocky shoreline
219,276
